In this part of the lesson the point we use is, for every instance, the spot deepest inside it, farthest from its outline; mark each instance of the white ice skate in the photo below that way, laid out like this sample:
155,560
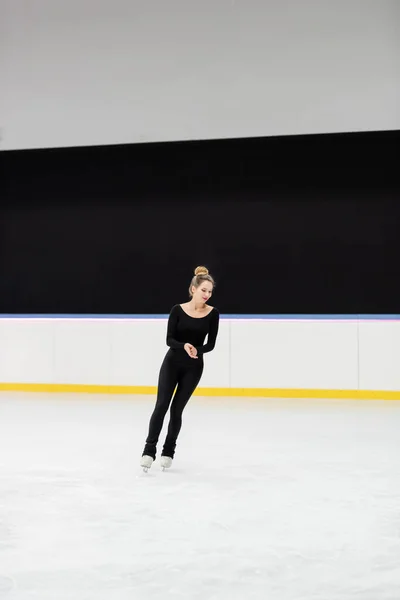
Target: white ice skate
146,462
166,462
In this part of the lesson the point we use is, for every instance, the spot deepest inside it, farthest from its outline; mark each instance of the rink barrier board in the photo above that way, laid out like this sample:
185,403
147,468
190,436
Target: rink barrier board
216,392
213,392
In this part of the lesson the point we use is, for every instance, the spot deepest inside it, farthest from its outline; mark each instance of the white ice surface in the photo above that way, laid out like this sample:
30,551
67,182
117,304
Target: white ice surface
266,500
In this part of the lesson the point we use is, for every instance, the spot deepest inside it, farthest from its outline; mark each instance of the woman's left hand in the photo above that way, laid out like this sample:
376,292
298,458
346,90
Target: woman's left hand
191,350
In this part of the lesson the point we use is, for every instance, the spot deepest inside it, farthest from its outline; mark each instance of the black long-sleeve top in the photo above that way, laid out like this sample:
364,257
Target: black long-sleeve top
183,329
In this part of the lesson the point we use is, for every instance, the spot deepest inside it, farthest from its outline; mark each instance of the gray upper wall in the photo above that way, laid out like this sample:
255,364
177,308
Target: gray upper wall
90,72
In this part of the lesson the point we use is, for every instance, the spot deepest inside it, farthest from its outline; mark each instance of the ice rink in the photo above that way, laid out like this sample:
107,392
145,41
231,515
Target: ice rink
266,500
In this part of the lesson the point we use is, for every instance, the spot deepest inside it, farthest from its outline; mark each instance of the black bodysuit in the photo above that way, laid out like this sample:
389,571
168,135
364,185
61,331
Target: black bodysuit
179,369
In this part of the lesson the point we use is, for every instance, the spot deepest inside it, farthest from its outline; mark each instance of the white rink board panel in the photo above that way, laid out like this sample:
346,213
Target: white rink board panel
26,351
82,352
379,355
138,347
294,354
137,350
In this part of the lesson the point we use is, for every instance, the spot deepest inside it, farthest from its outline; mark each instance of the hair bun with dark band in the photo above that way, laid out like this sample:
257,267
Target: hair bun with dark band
201,271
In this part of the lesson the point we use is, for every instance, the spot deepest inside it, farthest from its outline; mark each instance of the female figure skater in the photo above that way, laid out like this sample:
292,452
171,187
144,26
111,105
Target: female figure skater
188,325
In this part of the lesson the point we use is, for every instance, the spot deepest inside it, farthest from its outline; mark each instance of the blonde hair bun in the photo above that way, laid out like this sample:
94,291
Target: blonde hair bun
200,274
201,271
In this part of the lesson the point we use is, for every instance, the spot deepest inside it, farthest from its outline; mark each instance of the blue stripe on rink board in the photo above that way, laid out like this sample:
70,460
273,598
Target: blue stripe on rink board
223,316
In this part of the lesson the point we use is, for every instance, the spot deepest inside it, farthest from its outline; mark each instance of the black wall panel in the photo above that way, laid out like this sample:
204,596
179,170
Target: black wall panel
307,224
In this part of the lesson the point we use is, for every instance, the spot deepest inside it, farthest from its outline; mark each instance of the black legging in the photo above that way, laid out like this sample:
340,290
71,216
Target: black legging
186,375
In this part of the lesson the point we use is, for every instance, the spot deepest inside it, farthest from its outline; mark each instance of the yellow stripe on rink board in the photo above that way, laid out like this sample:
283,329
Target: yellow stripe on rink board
77,388
221,392
301,393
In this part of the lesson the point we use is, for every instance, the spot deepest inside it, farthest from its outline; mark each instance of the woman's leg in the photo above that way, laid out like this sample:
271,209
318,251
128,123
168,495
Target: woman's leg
186,386
166,384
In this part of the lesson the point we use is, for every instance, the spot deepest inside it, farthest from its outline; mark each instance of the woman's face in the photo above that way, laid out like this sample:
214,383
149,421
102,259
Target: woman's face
203,293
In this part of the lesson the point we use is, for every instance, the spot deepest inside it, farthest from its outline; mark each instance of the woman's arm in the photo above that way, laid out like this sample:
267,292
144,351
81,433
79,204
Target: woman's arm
171,330
212,334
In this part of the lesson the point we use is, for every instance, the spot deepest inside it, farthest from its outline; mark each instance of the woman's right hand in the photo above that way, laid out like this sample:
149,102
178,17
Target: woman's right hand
191,350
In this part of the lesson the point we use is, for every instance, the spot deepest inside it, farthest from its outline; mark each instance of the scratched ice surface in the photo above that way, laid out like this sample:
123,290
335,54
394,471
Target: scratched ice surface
285,500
